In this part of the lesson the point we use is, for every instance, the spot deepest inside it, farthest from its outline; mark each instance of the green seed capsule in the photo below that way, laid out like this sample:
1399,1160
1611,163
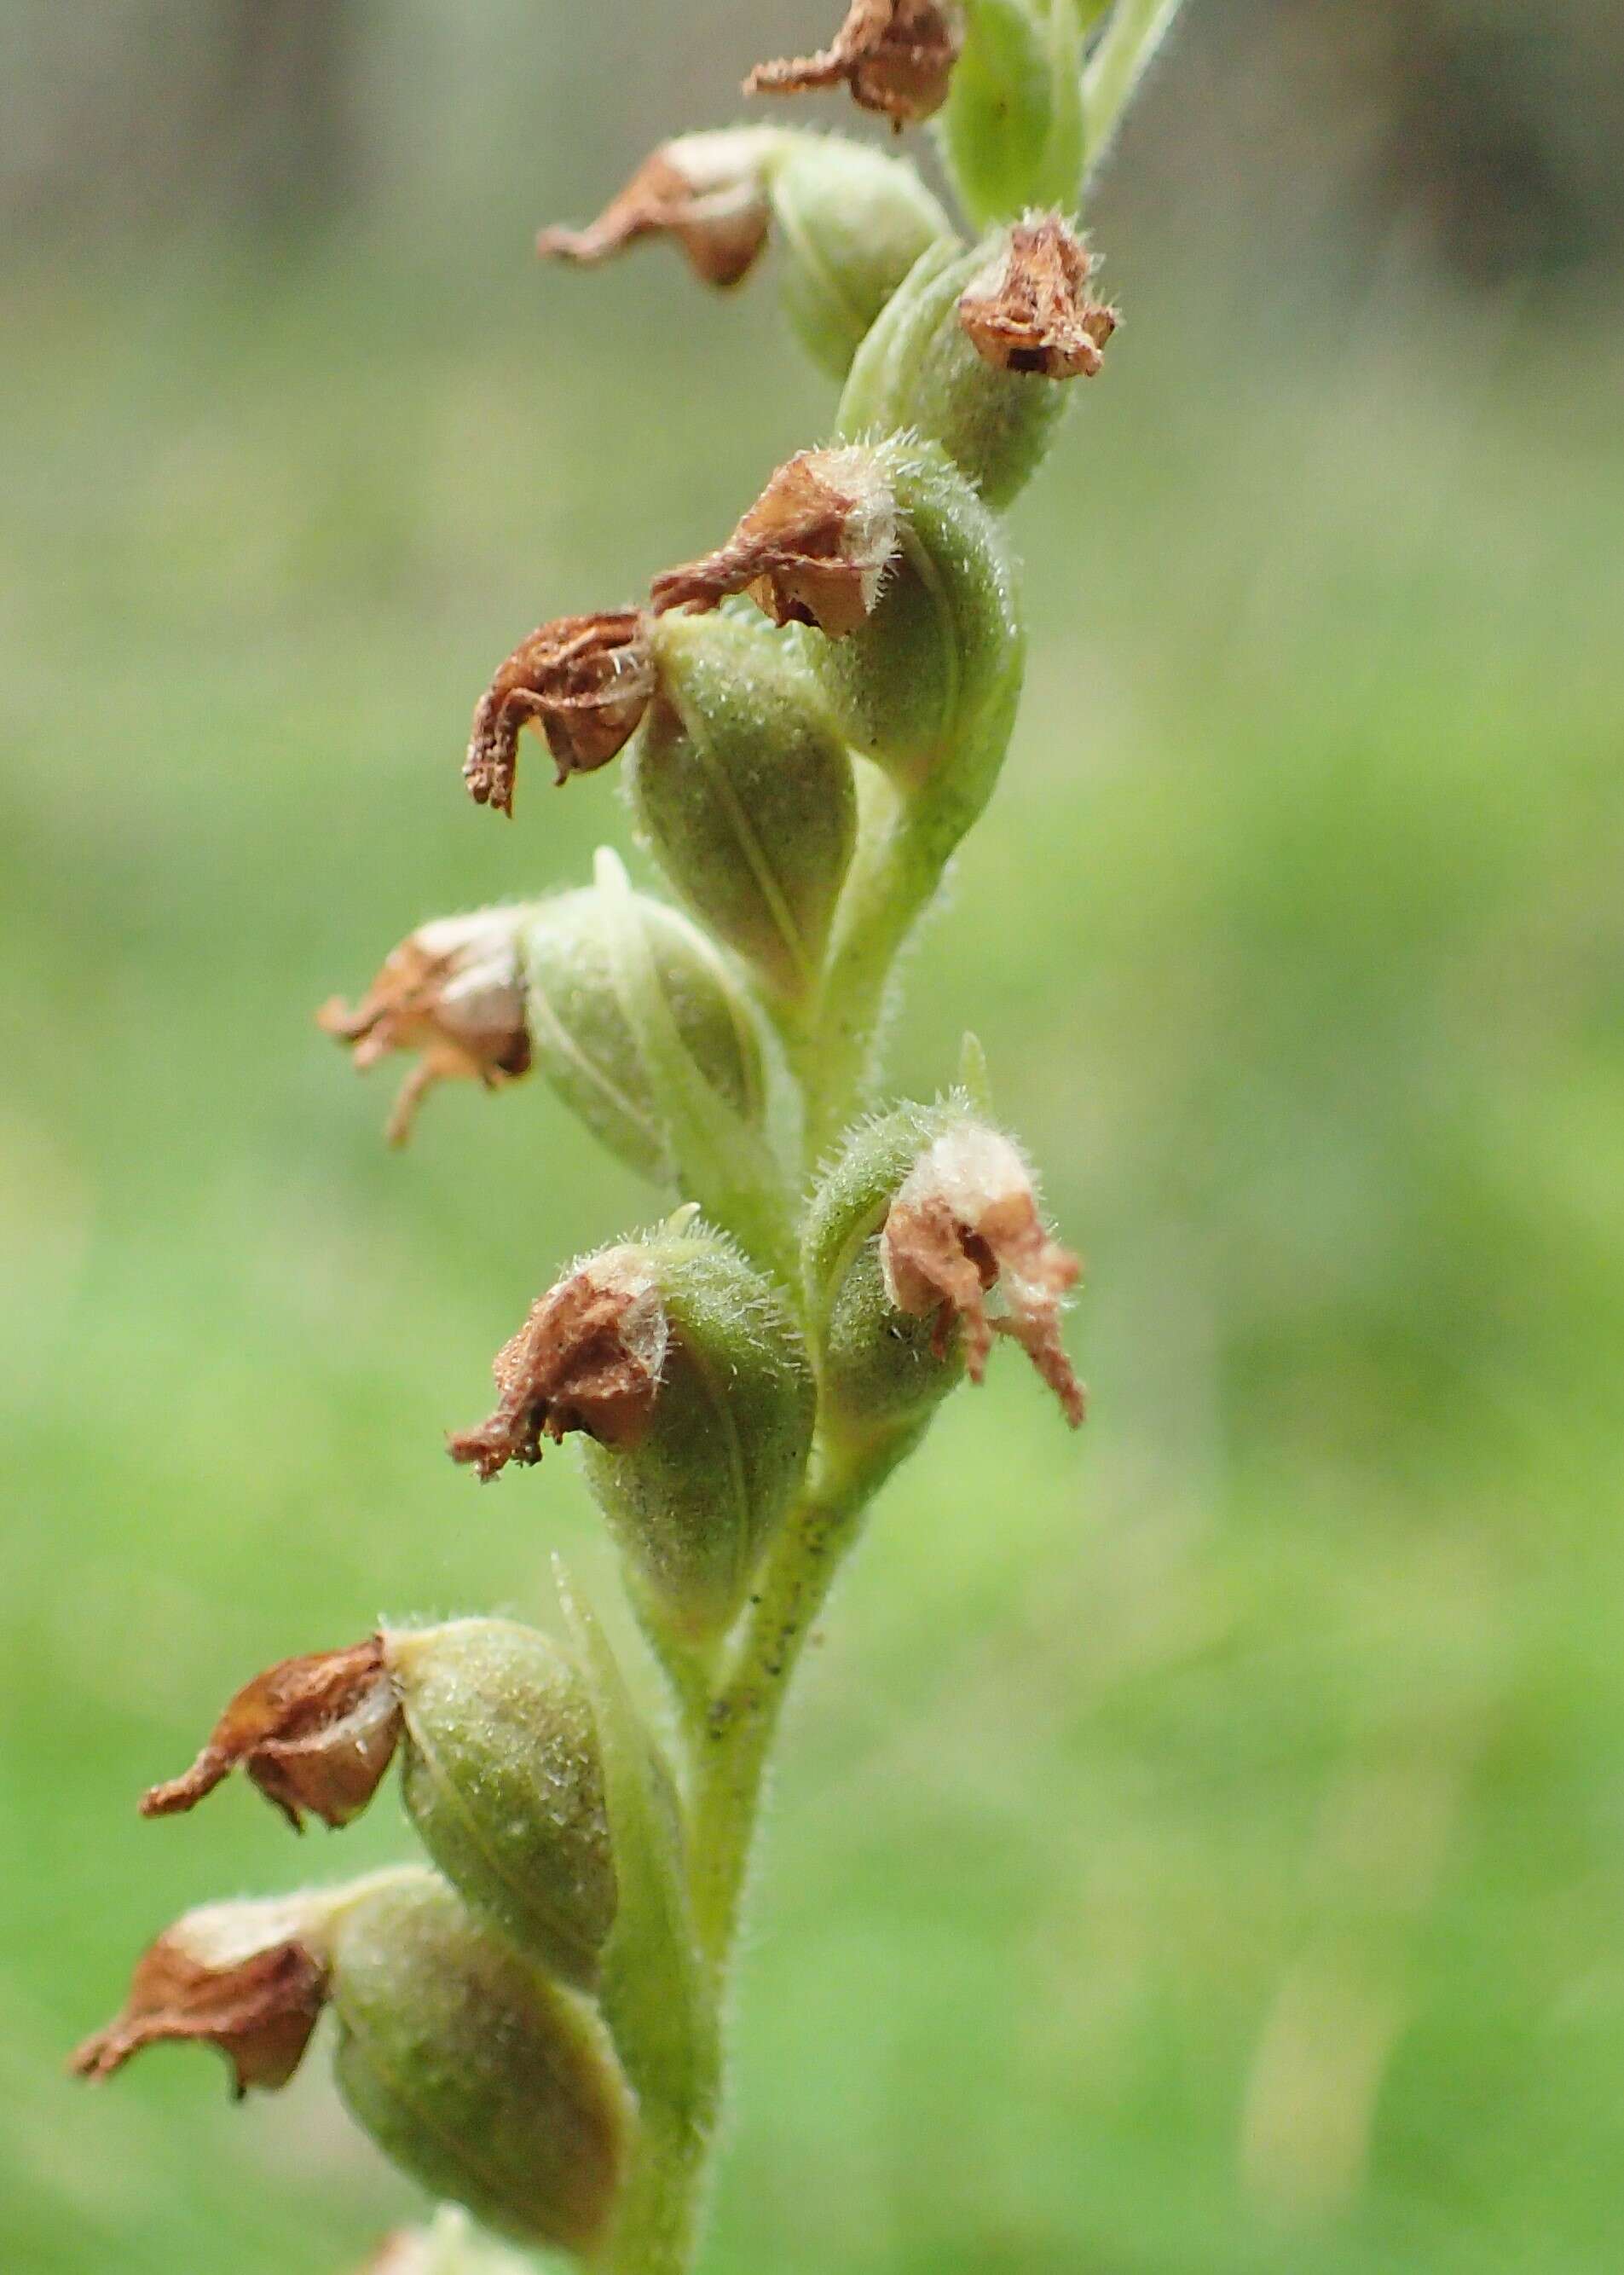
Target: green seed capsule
502,1781
927,685
1011,131
694,1503
583,1042
878,1368
919,369
683,1368
484,2082
851,223
745,790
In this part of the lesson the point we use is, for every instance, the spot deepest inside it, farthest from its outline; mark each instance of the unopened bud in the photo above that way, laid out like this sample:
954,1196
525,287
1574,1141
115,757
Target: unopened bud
453,993
581,681
681,1368
744,788
315,1733
970,349
248,1978
895,56
588,1049
707,192
813,550
502,1781
487,2083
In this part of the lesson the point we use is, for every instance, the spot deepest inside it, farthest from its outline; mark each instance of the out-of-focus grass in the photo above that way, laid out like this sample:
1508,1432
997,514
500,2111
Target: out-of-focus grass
1201,1846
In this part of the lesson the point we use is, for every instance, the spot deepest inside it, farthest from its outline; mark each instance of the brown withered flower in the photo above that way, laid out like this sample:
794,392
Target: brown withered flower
453,992
965,1219
896,57
813,550
1030,309
587,1358
584,681
315,1733
706,193
240,1976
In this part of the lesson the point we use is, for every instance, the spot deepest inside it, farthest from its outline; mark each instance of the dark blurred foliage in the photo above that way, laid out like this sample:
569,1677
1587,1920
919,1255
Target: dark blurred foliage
1494,130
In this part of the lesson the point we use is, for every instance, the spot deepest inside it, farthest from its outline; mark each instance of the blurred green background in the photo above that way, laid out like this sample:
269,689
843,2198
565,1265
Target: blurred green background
1199,1846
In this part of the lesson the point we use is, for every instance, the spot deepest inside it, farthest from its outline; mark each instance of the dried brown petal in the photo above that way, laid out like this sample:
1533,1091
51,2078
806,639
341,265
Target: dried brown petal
452,992
584,681
706,192
314,1733
813,550
587,1358
896,57
965,1220
234,1976
1030,309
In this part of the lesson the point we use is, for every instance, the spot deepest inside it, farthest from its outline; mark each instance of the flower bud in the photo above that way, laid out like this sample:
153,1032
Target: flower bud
502,1779
453,993
588,1049
249,1978
1012,129
682,1367
488,2084
582,681
745,790
927,685
926,1212
895,56
970,349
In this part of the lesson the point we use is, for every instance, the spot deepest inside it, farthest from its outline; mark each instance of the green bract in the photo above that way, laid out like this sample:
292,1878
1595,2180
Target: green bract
1012,129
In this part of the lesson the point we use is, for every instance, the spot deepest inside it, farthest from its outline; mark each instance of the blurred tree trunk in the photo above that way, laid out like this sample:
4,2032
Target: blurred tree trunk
275,115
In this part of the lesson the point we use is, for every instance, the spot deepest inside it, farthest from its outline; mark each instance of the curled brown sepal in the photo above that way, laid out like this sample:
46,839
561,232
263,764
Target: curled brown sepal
584,681
965,1219
1030,309
238,1977
315,1733
896,57
587,1358
454,992
707,192
813,550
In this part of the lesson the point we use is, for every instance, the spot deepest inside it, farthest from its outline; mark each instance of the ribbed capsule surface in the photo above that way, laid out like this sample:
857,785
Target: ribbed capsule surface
583,1043
502,1781
487,2083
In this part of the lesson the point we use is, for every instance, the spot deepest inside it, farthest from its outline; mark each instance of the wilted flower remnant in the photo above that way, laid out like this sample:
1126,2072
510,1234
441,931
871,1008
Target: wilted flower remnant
965,1221
896,57
316,1733
583,681
452,992
1030,309
706,191
244,1977
813,550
